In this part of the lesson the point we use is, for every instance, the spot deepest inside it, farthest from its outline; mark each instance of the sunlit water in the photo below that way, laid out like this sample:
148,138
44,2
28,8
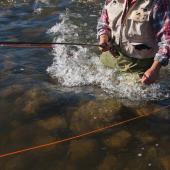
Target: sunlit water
77,66
51,94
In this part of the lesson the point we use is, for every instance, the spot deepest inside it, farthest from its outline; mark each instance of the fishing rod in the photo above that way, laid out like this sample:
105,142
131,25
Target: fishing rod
42,44
9,44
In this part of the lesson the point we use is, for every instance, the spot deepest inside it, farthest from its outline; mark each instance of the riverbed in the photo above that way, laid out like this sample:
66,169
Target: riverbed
47,95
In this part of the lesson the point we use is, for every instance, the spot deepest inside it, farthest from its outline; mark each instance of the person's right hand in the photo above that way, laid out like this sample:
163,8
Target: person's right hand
152,74
104,43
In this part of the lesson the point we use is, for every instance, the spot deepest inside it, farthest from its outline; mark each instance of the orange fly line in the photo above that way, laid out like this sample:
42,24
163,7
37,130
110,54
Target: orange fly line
78,136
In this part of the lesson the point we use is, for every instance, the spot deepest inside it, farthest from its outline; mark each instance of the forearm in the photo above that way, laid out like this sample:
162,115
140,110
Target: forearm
163,55
103,29
161,24
103,24
156,65
104,38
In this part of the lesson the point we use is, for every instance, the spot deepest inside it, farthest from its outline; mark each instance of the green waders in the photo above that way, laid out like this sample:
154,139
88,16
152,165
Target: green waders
126,64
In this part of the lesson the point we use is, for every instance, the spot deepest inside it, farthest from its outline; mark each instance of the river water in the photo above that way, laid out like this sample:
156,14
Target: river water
52,94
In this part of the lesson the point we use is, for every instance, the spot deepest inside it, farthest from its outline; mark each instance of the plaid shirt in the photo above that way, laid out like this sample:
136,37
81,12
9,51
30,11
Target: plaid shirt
160,21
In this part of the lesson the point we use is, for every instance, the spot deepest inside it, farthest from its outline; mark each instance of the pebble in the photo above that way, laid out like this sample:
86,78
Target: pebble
104,148
139,154
157,145
149,164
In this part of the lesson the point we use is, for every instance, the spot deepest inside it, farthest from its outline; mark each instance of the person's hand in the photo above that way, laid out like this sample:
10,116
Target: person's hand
104,43
152,74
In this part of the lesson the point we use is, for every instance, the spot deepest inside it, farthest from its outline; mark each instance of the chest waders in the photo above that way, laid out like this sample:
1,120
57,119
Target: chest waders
126,64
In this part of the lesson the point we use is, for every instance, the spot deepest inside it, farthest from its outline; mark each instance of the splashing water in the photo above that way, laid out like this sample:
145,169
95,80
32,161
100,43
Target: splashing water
77,66
39,4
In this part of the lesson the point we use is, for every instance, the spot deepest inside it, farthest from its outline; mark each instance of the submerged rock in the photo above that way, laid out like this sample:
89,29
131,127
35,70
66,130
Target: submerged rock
165,161
42,139
35,99
152,159
95,114
118,140
83,151
9,63
10,164
148,109
145,137
70,167
108,163
52,123
148,160
12,91
9,95
154,110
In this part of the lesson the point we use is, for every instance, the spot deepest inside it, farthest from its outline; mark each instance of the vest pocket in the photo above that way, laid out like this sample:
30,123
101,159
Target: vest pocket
142,50
140,15
141,46
138,24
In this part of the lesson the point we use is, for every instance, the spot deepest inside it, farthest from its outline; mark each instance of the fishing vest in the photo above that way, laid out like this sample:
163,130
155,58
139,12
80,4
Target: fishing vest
133,31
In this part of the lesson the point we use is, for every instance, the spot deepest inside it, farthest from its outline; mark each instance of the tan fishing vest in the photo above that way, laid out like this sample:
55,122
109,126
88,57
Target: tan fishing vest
134,30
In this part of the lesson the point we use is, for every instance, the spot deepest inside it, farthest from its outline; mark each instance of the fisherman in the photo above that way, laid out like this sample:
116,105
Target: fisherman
140,32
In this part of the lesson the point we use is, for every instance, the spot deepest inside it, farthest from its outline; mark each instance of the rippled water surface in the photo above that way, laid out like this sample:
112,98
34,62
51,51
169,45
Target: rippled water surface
52,94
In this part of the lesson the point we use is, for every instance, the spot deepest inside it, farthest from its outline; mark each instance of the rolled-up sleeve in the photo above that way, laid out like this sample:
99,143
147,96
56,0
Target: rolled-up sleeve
103,23
161,24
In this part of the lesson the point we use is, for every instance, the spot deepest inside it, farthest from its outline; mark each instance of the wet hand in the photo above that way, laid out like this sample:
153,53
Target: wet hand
152,74
104,43
149,77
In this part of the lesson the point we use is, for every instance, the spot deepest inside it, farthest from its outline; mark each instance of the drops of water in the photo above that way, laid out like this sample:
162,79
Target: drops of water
79,65
157,145
149,164
139,154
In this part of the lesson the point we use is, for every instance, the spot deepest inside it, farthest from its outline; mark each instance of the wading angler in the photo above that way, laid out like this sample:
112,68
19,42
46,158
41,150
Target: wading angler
141,30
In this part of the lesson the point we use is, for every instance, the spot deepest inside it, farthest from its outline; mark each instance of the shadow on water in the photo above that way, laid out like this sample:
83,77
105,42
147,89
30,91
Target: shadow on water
36,109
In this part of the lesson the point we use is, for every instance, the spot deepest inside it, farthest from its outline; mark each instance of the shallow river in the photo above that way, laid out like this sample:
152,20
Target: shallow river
51,94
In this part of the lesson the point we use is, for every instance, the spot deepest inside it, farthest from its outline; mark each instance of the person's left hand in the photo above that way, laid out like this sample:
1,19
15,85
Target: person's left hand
152,74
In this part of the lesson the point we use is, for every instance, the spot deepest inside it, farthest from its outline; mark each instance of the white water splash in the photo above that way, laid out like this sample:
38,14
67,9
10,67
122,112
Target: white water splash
77,66
39,4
